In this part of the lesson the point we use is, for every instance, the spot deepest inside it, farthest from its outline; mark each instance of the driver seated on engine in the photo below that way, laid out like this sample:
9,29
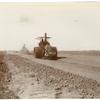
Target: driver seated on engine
41,44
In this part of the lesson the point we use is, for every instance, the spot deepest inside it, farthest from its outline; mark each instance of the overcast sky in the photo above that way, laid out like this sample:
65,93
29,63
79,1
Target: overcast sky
72,26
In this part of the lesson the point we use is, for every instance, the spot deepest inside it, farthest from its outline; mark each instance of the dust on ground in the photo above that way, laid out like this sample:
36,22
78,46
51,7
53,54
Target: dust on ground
34,80
21,77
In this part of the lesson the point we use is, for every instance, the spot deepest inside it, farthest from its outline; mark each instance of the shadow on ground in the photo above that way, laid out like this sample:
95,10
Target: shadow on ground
61,57
53,58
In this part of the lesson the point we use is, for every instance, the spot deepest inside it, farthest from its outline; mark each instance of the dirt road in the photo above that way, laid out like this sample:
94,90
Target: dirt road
84,65
64,78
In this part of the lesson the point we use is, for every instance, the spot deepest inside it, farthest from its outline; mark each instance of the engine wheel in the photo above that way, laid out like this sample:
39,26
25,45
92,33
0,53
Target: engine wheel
38,52
52,52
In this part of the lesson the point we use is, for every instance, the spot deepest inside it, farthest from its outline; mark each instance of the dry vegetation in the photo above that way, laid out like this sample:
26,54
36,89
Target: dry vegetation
5,77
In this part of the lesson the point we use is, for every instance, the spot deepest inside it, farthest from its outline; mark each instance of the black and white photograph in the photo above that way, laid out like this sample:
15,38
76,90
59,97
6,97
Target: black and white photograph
50,50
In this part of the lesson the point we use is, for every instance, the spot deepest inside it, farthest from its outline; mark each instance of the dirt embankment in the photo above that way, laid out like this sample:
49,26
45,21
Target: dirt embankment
64,84
5,78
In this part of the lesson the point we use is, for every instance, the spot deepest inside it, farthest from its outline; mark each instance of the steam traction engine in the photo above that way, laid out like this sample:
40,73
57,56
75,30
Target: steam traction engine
45,50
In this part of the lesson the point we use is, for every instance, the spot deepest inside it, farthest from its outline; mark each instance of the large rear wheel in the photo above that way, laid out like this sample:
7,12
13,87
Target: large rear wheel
38,52
52,52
